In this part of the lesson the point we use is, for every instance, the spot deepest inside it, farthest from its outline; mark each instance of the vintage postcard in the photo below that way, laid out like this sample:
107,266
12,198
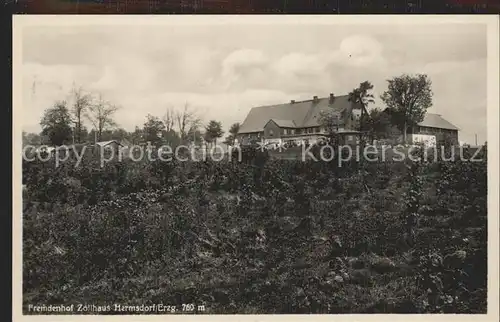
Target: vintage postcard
318,167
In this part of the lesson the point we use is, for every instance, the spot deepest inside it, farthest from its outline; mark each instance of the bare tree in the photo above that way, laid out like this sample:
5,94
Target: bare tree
81,103
187,122
100,114
169,119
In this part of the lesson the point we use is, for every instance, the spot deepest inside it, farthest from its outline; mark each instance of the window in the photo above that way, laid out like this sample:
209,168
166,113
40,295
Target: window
317,130
271,132
285,131
292,131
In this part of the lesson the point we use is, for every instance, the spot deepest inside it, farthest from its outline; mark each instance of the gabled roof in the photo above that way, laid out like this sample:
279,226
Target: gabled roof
104,143
433,120
284,123
125,142
437,121
302,114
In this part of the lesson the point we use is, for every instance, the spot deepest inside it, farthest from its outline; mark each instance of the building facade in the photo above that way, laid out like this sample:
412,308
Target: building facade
300,121
434,130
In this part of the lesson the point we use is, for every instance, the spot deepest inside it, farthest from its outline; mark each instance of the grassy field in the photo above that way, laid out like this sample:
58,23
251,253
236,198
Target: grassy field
258,236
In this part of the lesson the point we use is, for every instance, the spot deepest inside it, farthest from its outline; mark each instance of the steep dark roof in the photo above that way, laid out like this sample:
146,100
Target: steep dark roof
301,114
433,120
284,123
437,121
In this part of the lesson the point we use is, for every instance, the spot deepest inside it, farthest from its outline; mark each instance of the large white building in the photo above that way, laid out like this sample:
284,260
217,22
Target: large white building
299,121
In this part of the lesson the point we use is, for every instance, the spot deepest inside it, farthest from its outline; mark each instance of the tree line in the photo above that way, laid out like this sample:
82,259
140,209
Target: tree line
406,101
88,117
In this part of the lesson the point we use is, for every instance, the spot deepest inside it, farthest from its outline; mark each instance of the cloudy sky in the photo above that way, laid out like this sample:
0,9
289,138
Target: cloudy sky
224,70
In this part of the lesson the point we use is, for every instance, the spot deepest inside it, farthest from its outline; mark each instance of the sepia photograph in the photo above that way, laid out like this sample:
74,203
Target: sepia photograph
256,165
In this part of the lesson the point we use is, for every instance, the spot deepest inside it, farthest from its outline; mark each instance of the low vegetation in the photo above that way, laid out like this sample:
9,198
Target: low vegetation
258,236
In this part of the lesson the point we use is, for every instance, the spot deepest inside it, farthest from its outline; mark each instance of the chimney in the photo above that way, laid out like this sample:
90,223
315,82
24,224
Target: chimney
315,99
292,101
332,98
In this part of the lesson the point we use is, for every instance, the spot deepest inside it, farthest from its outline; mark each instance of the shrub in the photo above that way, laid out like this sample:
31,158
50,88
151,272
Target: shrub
257,236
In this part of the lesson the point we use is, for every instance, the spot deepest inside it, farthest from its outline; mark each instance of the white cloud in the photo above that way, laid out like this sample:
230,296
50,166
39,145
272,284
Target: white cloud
362,51
361,45
224,76
242,59
358,51
302,64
